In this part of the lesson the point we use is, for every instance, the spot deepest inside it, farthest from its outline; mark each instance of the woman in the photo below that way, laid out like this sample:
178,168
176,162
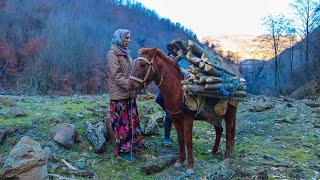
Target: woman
123,107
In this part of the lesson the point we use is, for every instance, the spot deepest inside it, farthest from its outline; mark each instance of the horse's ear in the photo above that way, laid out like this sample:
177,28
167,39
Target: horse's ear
155,49
143,51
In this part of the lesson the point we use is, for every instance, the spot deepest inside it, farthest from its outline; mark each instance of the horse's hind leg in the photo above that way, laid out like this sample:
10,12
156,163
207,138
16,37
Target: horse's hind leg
230,119
218,128
179,128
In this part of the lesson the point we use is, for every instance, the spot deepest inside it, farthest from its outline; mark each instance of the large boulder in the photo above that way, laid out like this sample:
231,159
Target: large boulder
65,135
25,161
97,135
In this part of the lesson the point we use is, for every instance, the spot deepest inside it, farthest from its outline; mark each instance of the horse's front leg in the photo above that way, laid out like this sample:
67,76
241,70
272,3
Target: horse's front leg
179,128
187,127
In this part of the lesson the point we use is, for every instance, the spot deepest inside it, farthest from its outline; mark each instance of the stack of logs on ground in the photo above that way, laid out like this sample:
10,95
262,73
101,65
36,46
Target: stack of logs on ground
208,76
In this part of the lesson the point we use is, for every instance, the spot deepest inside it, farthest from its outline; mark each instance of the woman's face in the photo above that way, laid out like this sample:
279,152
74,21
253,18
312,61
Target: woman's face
126,41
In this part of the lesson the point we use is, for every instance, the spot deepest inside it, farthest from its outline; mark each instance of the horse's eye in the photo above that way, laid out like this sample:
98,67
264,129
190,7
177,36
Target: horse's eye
143,65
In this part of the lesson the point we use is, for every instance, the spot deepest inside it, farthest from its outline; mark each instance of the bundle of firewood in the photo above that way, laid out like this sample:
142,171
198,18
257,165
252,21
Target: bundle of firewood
208,76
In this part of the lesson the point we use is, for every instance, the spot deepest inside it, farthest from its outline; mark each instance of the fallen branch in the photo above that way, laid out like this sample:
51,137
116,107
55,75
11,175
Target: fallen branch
82,173
280,165
159,164
60,177
69,165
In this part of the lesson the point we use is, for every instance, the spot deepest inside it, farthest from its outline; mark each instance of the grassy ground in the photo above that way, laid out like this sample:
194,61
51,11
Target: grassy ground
281,142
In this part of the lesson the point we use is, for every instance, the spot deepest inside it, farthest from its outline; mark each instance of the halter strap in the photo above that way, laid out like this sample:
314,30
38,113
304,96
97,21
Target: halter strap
150,67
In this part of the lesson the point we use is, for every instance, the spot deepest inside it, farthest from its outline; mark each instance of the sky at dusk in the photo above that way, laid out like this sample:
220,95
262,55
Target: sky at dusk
219,17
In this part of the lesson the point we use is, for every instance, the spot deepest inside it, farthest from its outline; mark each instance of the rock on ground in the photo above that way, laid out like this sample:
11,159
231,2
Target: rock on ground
25,161
312,104
96,135
317,111
18,112
65,135
260,108
152,127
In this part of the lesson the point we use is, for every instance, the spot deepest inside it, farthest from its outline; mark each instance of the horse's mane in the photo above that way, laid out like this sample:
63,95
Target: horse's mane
163,57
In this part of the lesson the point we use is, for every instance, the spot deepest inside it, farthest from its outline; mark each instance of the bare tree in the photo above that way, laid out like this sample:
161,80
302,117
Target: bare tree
307,19
277,28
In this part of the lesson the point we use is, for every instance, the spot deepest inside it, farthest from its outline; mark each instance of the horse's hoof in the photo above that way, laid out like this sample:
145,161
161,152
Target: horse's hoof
177,164
227,155
190,171
214,152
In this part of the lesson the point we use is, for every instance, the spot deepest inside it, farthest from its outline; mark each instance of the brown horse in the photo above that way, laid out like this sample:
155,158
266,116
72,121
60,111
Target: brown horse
153,65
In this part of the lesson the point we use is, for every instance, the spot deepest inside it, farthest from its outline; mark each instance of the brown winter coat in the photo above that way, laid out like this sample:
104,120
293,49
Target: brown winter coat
118,68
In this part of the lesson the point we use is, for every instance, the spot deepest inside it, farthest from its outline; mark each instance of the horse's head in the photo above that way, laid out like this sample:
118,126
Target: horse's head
144,69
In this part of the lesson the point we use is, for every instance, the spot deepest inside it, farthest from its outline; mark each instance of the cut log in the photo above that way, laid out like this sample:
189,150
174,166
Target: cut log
198,50
194,70
242,80
211,70
193,59
200,79
238,95
201,65
218,86
159,164
204,57
195,88
213,79
221,69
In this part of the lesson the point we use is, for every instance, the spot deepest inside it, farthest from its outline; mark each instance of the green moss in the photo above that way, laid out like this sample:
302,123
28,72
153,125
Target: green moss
19,121
301,155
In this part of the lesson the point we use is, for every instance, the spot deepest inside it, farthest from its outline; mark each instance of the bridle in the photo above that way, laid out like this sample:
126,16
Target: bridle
144,80
150,68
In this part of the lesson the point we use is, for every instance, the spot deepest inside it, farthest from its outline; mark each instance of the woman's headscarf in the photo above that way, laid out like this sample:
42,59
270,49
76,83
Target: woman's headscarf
118,37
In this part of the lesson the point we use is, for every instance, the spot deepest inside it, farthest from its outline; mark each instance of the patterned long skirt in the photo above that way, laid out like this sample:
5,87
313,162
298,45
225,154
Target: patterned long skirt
125,124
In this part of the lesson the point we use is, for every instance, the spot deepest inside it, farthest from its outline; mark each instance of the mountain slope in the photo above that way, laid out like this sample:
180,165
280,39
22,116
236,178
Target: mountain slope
294,69
59,46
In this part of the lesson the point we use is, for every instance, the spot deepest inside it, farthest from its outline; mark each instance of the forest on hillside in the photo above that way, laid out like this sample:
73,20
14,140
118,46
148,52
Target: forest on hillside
58,47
